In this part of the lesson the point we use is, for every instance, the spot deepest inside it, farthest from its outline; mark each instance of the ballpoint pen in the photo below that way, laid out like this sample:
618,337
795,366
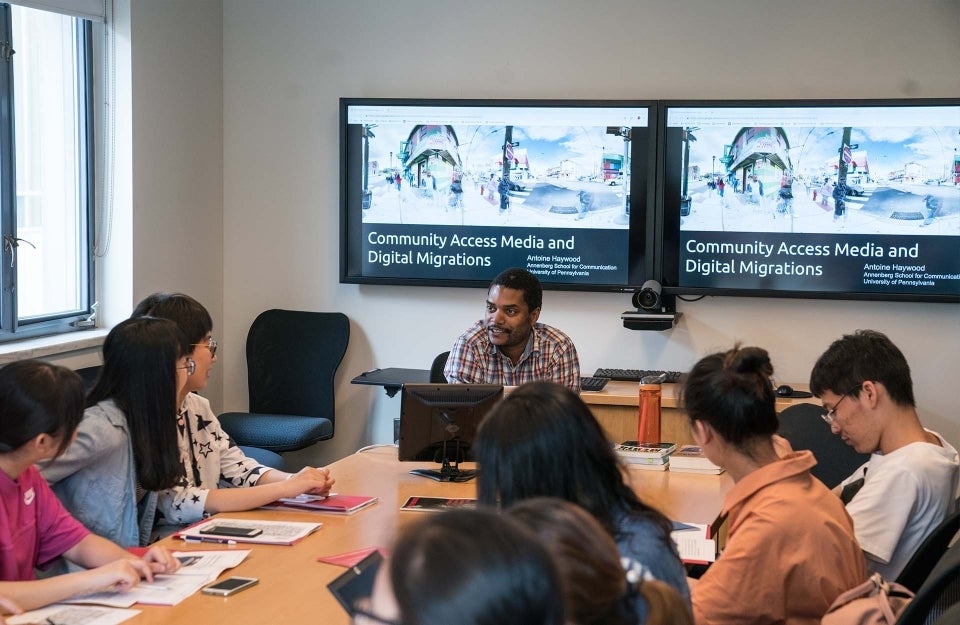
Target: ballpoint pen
205,539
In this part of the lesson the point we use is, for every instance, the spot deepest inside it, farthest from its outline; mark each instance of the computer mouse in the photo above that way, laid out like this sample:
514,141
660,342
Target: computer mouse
784,390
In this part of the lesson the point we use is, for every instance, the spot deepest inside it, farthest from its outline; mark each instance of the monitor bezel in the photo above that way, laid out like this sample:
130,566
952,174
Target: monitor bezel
416,416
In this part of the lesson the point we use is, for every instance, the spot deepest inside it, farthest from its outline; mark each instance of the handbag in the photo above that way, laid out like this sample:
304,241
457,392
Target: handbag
874,602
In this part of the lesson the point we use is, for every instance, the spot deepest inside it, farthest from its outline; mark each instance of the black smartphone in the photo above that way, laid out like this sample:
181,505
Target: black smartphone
356,582
232,530
229,586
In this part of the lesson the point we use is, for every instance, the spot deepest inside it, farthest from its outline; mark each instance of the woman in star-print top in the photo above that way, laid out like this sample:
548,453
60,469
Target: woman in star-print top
217,476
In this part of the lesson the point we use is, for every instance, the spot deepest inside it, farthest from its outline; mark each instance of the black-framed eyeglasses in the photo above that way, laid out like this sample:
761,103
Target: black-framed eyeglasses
830,416
211,344
363,614
190,366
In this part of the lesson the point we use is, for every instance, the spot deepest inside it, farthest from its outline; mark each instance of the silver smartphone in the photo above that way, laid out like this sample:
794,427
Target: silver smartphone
229,586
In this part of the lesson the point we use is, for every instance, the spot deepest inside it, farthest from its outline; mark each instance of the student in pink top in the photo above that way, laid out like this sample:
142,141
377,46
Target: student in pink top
790,546
40,407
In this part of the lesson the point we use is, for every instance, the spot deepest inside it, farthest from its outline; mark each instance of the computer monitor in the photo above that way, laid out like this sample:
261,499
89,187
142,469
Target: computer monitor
439,422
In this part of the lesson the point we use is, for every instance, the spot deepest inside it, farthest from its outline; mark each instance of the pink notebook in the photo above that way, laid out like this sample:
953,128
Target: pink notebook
337,504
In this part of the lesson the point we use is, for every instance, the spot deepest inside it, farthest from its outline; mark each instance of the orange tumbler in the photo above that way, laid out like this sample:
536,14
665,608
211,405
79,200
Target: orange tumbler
649,426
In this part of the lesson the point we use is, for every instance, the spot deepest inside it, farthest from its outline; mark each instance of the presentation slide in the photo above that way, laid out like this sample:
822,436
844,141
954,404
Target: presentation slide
462,192
824,199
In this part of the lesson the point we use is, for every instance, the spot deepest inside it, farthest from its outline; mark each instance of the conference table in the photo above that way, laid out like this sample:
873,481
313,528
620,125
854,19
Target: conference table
293,584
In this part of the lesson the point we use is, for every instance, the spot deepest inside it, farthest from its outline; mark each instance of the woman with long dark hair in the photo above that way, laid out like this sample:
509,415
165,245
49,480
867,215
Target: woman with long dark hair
543,441
218,475
126,445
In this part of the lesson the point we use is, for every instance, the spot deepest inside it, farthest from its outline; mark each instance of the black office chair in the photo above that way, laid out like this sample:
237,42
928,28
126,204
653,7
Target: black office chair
803,426
939,593
292,358
436,369
950,617
89,376
918,568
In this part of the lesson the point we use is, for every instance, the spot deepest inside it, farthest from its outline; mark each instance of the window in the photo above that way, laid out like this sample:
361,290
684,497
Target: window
46,172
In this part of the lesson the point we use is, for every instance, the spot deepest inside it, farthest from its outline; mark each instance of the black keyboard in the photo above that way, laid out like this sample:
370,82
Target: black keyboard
593,384
635,375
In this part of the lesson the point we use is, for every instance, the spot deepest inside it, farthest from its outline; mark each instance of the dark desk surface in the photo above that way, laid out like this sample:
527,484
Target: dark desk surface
392,378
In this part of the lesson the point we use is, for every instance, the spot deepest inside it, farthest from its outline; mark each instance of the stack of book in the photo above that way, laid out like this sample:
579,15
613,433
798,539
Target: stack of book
649,456
690,459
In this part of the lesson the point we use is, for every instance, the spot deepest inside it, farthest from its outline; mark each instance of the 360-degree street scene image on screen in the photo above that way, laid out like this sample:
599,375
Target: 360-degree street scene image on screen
871,180
553,176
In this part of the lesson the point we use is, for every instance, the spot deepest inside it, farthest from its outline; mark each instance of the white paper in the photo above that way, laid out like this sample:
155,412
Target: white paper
274,532
209,562
693,544
73,615
198,569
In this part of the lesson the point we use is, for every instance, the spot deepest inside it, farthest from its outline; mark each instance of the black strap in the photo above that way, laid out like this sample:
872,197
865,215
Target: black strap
850,490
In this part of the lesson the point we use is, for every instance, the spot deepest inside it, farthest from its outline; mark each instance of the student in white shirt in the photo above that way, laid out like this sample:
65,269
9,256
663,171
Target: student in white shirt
909,485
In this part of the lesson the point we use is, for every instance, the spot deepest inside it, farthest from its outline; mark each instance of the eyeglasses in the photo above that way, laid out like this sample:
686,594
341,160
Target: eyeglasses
211,344
191,366
830,416
362,613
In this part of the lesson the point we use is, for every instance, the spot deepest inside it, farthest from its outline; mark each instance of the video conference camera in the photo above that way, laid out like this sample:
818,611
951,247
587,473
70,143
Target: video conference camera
648,297
653,311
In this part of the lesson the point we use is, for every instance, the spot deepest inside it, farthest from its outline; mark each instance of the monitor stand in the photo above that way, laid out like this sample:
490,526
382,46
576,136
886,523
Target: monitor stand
447,473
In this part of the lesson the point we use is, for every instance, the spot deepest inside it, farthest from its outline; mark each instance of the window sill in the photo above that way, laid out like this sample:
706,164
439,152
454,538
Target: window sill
50,346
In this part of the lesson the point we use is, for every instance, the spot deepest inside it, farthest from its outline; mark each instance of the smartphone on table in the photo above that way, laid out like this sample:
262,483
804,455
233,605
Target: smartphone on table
229,586
232,531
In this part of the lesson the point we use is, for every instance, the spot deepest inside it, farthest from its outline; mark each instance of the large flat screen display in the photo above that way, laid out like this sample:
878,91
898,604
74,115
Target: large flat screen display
841,199
450,193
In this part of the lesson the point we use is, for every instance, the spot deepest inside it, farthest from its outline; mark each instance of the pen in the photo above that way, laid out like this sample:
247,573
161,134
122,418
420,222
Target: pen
153,587
204,539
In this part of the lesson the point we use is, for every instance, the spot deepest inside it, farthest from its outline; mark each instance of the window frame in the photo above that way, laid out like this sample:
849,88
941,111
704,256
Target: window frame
11,327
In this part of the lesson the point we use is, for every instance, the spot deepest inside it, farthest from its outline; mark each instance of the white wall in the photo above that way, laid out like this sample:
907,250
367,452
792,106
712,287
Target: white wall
176,50
286,63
